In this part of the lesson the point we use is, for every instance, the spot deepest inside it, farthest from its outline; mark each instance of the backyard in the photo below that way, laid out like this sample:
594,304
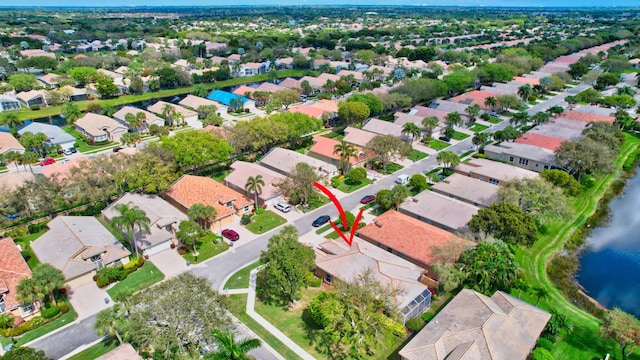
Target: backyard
264,222
25,244
142,278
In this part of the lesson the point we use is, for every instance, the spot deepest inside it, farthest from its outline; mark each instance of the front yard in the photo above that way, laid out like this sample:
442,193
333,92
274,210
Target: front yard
459,135
96,350
240,280
417,155
142,278
81,143
494,120
476,128
437,144
316,201
391,168
264,222
208,247
348,186
64,319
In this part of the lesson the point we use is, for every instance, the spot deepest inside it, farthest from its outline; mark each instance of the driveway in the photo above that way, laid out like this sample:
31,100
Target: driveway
169,262
88,299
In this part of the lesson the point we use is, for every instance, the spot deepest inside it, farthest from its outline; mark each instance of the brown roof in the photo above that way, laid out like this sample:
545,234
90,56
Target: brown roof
244,89
473,97
586,117
325,146
190,189
8,143
547,142
13,268
61,171
122,352
477,327
412,237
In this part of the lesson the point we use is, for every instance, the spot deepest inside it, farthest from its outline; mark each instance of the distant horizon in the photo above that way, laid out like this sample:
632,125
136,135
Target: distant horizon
548,4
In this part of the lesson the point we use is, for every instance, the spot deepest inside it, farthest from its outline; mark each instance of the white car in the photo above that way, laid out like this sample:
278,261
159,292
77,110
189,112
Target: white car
285,208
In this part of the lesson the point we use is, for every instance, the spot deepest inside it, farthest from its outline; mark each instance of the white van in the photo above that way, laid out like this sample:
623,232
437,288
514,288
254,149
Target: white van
402,179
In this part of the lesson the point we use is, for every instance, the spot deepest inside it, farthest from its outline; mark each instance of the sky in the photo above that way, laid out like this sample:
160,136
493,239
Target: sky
483,3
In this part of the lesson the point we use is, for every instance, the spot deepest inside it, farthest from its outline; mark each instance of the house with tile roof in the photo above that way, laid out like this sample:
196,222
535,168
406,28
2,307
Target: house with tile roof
475,97
122,352
244,90
493,172
79,246
478,327
12,181
357,136
148,120
9,143
193,102
314,112
55,135
32,97
539,140
464,188
99,128
335,261
270,87
164,220
413,240
382,127
439,210
560,128
190,117
64,170
49,80
586,117
191,189
284,160
240,172
291,83
13,268
449,106
522,155
323,149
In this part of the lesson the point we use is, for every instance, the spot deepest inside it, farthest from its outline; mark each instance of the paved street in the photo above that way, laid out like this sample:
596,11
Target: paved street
64,341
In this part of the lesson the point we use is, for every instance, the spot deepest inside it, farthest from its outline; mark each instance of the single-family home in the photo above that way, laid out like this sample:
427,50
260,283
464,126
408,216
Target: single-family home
194,102
79,246
382,127
241,171
424,112
418,242
234,58
55,135
188,116
449,106
98,128
335,261
253,68
75,94
585,117
439,210
323,149
147,120
475,326
315,83
358,136
49,80
9,143
244,90
270,87
357,76
401,118
284,63
183,64
232,101
63,170
324,77
330,107
539,140
190,189
284,160
164,220
36,52
8,103
493,172
212,47
32,97
522,155
291,83
475,97
13,268
560,128
475,192
14,180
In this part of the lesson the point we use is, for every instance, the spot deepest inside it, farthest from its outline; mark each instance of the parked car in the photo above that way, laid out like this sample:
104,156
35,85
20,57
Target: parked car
321,221
494,114
116,149
47,161
69,151
402,179
444,138
285,208
230,234
367,199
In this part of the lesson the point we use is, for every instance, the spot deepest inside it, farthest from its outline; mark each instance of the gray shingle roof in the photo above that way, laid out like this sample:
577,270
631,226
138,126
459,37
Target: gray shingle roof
55,134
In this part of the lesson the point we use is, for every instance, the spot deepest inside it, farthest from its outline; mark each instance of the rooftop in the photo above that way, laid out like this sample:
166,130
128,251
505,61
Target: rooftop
474,191
95,124
432,207
284,160
241,171
190,189
9,143
473,97
193,102
543,141
158,107
358,136
489,169
586,117
13,268
524,151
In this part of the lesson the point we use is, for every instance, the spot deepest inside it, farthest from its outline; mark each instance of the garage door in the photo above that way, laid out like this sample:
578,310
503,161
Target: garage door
158,248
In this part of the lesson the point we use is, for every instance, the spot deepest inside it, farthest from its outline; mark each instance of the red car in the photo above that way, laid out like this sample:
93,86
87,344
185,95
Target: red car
367,199
47,161
230,234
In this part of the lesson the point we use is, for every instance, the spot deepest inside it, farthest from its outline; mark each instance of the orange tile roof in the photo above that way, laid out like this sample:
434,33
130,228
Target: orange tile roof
412,237
13,268
473,97
308,110
542,141
242,90
586,117
60,170
190,189
324,146
532,81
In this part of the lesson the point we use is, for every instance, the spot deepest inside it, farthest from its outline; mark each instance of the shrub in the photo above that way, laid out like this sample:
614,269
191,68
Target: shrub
102,282
541,354
245,219
428,316
173,246
6,321
50,312
357,175
182,250
64,308
35,107
313,281
17,233
36,228
95,277
415,324
62,290
335,182
545,344
259,210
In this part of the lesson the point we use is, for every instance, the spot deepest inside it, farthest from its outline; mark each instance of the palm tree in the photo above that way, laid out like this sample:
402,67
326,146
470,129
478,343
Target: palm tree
555,110
345,151
71,112
540,117
453,118
429,124
30,157
480,139
129,139
254,185
448,159
13,157
411,129
130,216
109,110
328,86
491,102
520,118
142,118
525,92
47,279
229,349
12,121
540,292
473,111
168,112
108,322
203,214
133,122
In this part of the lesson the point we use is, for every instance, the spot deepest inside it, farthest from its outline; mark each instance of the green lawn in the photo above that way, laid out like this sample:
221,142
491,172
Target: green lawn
82,145
237,306
417,155
27,253
297,324
221,175
240,280
207,248
348,186
264,222
494,120
142,278
96,350
459,135
323,229
315,202
391,168
584,342
63,320
476,128
437,144
467,153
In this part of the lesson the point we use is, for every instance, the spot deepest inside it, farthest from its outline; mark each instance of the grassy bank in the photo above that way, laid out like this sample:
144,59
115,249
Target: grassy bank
126,99
584,342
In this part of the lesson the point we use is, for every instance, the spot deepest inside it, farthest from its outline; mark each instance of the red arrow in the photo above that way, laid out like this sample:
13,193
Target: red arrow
343,216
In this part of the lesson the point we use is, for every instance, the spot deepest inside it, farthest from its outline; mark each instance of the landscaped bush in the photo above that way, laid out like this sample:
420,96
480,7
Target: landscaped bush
24,327
313,281
36,228
415,324
335,182
6,321
64,308
50,312
541,354
245,219
17,233
259,210
35,107
545,344
110,275
428,316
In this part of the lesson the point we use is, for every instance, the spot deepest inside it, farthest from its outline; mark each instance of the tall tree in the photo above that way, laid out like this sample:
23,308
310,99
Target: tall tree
299,184
480,139
345,152
453,118
430,123
71,112
189,233
194,148
448,159
623,328
505,221
108,321
387,148
12,121
473,111
254,185
287,264
48,279
525,92
130,216
489,267
491,102
353,112
229,349
411,129
203,214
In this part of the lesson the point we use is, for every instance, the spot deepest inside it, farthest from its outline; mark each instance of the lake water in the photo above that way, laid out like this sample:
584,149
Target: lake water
610,268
